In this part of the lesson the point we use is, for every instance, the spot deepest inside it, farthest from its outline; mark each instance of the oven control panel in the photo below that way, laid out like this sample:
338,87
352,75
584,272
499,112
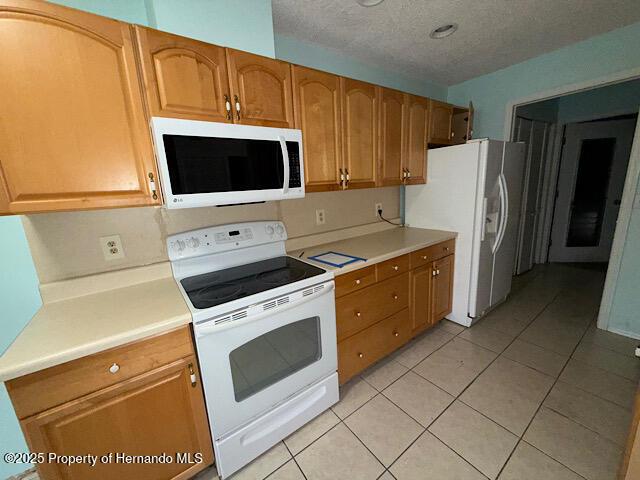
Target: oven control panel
224,238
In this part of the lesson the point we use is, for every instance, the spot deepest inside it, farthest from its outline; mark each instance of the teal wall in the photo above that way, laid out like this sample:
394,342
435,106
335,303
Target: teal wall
596,57
612,52
19,300
619,99
546,111
315,56
245,25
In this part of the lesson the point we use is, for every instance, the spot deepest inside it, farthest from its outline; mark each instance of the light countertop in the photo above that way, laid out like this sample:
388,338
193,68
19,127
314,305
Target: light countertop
111,310
376,247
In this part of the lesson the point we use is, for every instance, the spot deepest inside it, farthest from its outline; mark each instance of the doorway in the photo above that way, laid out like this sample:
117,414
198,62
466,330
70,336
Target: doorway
593,168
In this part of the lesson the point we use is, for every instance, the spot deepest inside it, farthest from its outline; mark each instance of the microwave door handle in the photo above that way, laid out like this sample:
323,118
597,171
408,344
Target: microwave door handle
285,164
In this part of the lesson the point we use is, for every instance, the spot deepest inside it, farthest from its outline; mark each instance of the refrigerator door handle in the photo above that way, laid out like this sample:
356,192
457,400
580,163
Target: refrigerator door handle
504,216
485,219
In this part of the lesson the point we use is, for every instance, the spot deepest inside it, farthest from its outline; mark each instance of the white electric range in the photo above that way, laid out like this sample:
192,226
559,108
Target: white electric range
265,332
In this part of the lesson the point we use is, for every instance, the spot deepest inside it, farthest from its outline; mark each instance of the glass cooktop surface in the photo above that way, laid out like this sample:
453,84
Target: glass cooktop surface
211,289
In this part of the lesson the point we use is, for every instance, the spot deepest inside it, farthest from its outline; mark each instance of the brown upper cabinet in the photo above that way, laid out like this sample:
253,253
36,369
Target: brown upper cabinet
392,136
74,134
360,103
184,78
441,116
462,124
415,160
261,90
317,101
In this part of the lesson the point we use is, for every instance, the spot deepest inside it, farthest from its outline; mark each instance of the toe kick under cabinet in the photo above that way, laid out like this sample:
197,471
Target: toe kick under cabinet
381,307
143,398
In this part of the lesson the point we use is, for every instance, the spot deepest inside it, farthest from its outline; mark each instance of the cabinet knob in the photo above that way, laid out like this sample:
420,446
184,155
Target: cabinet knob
446,249
114,368
396,334
395,267
358,282
395,296
360,355
358,314
438,272
424,257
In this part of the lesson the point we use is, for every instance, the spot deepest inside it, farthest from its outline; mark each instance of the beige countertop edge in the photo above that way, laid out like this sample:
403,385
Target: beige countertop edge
16,370
440,236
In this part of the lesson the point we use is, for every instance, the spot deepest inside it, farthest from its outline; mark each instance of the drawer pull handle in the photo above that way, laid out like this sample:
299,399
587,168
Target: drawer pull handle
358,282
114,368
395,267
358,314
395,297
360,355
395,333
438,272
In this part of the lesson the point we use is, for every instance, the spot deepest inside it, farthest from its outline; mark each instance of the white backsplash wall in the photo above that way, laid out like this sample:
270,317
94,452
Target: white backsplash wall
66,245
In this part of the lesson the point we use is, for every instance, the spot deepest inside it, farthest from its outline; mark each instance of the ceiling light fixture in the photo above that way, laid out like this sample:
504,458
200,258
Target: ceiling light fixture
369,3
444,30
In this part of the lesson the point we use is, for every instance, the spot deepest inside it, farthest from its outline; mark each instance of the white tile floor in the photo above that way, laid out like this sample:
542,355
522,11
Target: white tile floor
533,391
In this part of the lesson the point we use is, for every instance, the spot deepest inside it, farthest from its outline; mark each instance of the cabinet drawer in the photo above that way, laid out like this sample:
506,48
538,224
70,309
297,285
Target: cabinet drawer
393,267
352,281
434,252
361,350
360,309
89,374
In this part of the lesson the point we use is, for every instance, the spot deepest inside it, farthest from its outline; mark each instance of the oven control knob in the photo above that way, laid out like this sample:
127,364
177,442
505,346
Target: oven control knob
179,245
279,229
269,229
193,242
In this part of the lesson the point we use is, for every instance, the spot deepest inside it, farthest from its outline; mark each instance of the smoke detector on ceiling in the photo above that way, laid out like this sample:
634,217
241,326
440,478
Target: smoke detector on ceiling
444,30
369,3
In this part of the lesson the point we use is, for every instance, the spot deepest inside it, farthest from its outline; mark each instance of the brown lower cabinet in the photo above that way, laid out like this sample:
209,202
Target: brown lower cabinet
381,307
138,399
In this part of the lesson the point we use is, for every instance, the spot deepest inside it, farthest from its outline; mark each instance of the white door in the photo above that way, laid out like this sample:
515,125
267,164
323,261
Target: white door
491,203
534,134
592,173
505,250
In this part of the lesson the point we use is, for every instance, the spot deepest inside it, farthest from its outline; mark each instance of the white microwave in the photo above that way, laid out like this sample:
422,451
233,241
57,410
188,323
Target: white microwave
212,164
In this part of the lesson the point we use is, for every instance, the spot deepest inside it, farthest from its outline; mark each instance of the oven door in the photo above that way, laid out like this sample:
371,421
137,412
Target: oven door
208,163
251,365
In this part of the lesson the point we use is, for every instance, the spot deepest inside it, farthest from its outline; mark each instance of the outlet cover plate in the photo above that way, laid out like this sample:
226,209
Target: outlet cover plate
112,247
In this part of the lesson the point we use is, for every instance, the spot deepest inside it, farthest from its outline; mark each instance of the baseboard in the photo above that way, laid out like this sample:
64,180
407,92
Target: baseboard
624,332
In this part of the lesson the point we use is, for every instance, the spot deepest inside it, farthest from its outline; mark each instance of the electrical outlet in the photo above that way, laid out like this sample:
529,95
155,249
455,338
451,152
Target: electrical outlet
320,217
112,247
378,208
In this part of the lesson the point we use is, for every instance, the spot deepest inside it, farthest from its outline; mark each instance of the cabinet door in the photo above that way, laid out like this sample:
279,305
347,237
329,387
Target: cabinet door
417,132
441,115
462,124
261,88
392,136
442,289
360,132
316,103
72,123
183,78
421,310
160,411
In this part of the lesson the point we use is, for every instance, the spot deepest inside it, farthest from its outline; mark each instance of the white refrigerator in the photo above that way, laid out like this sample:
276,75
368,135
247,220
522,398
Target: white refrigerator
474,189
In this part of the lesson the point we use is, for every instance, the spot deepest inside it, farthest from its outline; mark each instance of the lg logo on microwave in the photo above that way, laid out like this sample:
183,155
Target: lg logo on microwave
177,200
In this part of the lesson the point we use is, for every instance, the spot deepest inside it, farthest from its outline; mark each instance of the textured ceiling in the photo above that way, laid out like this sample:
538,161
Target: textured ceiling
492,34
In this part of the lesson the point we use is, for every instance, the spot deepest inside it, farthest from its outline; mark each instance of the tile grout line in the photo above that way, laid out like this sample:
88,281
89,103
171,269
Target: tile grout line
293,457
521,439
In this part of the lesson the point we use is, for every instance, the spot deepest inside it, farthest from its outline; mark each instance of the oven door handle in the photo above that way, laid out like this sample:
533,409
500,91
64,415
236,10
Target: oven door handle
210,326
285,164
